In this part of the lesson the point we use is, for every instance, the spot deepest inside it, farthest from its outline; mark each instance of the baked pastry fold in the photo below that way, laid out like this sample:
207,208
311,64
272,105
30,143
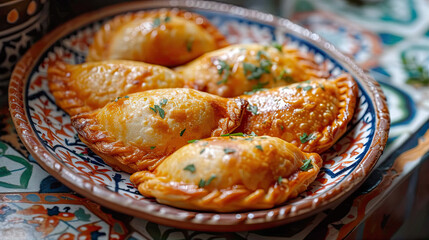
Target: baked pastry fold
312,115
138,131
168,37
89,86
226,174
236,69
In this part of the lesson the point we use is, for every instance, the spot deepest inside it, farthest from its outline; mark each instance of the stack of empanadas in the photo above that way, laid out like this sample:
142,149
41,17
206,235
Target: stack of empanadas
229,128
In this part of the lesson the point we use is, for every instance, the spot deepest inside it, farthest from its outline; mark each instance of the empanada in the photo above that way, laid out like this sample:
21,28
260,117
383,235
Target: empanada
312,115
85,87
137,131
165,37
234,70
226,174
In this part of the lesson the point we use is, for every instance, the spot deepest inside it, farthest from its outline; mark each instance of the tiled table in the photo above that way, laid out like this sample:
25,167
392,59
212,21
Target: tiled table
390,39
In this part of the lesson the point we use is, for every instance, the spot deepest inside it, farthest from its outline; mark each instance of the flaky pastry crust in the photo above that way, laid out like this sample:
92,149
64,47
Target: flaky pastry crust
312,115
226,174
236,69
89,86
136,132
168,37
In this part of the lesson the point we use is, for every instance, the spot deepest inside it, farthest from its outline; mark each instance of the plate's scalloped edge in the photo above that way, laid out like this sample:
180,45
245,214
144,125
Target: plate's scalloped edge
181,218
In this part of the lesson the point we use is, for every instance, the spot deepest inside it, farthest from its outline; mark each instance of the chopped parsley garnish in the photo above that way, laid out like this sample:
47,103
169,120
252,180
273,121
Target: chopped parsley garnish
202,150
189,44
158,109
152,147
260,54
322,86
233,134
182,132
252,71
117,99
306,88
223,69
298,87
307,137
190,168
163,102
285,76
126,96
279,180
253,134
259,147
192,141
277,45
281,127
204,183
156,22
229,150
253,109
306,165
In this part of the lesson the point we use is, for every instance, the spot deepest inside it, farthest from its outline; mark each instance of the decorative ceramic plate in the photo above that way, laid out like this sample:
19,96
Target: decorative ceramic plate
47,133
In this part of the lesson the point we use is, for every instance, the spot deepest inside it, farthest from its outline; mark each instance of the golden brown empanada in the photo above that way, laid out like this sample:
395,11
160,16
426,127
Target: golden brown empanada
234,70
165,37
85,87
138,131
226,174
312,115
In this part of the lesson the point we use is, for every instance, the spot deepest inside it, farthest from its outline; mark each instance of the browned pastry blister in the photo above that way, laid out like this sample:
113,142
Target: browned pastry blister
312,115
85,87
168,37
240,68
138,131
227,174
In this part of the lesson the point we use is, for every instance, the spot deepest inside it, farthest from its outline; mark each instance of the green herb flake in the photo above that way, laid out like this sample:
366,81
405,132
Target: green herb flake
204,183
182,132
307,165
306,88
126,96
285,76
152,147
260,54
259,147
154,110
190,168
281,127
160,111
156,22
193,141
189,44
253,134
265,65
306,137
210,179
233,134
253,109
163,102
277,45
322,86
223,69
167,19
279,180
202,150
229,150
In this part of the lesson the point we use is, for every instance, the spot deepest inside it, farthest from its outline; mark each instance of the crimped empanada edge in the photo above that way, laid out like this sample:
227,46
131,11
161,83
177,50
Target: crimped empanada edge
235,198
